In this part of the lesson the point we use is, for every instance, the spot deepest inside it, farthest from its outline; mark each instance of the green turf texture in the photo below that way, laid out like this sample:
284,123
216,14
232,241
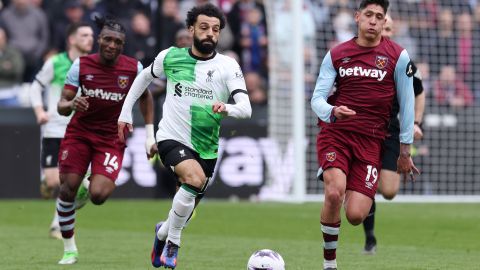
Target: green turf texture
119,235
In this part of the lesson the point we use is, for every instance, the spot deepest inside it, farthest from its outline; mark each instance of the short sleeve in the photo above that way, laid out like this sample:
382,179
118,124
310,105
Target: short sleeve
139,67
72,81
45,75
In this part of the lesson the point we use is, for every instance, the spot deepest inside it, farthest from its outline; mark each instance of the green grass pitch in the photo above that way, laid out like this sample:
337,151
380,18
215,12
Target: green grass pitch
119,235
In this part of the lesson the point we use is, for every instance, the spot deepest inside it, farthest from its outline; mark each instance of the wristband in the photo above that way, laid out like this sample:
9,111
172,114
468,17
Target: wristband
150,137
149,130
420,125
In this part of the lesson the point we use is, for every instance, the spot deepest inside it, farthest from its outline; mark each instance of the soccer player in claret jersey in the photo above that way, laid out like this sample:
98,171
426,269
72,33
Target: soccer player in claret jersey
389,179
52,78
368,70
91,137
199,84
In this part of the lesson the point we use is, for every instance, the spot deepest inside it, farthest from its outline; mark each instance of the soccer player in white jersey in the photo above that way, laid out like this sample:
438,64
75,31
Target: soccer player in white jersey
51,78
199,84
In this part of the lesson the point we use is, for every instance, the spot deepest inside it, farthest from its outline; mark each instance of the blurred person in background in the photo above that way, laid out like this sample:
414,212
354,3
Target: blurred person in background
389,179
27,28
11,72
465,47
169,22
238,17
343,25
123,10
442,42
183,39
51,79
257,93
72,13
141,42
450,90
283,29
476,54
254,43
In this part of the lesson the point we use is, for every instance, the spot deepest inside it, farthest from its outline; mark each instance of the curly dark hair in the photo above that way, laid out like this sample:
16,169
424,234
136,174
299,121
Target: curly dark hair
110,23
209,10
383,3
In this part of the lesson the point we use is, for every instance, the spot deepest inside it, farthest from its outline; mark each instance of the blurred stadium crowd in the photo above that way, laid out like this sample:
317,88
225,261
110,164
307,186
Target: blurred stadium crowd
33,30
442,37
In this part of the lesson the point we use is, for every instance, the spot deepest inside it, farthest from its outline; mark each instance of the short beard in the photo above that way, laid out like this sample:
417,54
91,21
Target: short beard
204,48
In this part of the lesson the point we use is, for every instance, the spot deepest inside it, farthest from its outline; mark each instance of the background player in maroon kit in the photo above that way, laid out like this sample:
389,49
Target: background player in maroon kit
104,80
368,70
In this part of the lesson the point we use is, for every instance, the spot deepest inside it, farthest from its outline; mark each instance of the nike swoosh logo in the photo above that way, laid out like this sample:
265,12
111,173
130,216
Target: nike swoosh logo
177,214
175,70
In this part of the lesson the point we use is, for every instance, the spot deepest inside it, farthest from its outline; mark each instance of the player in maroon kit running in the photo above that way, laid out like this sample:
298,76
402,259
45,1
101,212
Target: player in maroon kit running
368,71
104,80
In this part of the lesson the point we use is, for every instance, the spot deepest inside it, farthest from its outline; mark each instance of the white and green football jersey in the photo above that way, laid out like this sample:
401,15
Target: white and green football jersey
193,86
52,78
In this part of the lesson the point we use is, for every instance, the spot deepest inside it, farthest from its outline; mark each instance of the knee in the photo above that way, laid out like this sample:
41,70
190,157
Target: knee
98,198
389,195
388,192
334,196
195,180
355,218
66,193
52,184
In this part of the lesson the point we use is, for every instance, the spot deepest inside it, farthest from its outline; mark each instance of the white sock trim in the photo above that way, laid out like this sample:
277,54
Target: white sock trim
330,230
69,244
329,263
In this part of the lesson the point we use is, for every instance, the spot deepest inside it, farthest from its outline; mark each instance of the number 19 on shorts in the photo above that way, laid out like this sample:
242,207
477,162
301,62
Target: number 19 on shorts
372,172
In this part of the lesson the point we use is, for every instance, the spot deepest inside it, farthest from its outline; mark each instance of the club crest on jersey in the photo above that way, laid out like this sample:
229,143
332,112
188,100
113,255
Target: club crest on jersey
381,61
123,81
64,154
210,76
331,156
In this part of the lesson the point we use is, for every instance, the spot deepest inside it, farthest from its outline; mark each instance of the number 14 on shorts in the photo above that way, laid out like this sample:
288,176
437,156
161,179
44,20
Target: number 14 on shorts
110,162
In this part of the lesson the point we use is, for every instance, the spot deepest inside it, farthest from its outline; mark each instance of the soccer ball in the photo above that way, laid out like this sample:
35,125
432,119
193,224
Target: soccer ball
265,259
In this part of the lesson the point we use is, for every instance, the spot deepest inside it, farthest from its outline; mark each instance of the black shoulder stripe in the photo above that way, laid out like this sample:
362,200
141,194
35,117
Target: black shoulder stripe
151,70
417,86
40,82
236,91
410,72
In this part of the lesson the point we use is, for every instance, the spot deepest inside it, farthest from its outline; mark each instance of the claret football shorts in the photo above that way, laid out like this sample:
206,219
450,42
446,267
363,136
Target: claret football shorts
76,153
357,155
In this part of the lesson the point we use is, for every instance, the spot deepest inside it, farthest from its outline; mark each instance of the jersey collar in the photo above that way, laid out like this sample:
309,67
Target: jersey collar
201,58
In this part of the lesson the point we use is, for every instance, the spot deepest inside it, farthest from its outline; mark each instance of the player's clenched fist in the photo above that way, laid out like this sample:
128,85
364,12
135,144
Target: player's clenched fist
343,112
219,107
121,130
79,104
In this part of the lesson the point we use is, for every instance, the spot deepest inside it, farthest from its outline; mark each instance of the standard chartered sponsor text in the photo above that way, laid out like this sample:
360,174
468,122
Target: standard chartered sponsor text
198,92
